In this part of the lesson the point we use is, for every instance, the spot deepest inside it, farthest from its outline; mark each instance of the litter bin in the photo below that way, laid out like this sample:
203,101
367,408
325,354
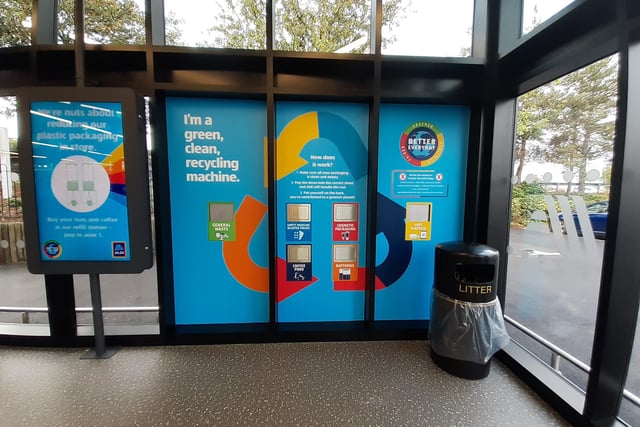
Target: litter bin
466,326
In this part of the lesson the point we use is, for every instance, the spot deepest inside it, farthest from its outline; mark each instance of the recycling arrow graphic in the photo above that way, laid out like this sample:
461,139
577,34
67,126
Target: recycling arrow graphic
391,224
309,126
236,253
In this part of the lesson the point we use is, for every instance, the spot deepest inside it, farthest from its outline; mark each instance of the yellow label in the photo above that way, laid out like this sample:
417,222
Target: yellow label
418,221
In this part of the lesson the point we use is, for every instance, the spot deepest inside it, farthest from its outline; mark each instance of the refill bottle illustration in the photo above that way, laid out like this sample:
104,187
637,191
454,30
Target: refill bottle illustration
89,184
72,183
80,183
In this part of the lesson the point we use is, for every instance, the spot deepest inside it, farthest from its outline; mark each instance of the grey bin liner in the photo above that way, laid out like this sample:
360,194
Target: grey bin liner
465,330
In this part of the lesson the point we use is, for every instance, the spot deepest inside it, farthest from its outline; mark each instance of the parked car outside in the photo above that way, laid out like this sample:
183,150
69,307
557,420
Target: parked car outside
597,216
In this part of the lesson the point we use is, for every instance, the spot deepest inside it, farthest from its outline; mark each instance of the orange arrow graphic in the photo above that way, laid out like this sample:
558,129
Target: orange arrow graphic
236,254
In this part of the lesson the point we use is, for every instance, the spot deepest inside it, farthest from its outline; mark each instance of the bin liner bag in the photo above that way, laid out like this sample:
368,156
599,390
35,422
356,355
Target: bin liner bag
467,331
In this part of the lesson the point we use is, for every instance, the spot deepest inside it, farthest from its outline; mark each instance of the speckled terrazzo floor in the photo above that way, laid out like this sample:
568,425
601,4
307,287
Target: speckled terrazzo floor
331,384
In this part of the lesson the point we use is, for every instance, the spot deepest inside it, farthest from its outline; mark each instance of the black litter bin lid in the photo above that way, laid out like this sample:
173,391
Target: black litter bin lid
471,249
466,271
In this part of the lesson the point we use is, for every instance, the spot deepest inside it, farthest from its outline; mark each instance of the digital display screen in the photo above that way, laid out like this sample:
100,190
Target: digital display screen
80,181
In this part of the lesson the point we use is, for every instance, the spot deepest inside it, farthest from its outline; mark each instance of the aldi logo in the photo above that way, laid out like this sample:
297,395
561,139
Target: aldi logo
119,249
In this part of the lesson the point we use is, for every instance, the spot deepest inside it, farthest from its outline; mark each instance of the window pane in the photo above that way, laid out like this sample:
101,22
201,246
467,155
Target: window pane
119,22
535,12
15,23
66,22
137,292
323,26
563,153
114,22
630,411
216,23
427,27
18,287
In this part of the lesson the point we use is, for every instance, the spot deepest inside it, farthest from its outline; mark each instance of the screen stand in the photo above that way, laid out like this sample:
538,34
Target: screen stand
101,351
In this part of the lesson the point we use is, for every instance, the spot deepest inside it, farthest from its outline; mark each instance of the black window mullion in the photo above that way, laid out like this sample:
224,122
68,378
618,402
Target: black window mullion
620,286
271,162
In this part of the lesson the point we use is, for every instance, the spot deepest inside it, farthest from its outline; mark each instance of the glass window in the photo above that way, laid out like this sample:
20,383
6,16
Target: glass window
323,26
630,405
23,299
219,23
114,22
559,202
427,27
66,22
119,22
129,301
15,23
535,12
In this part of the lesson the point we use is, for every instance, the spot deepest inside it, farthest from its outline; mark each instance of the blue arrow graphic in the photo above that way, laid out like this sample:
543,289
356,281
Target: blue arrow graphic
347,140
391,224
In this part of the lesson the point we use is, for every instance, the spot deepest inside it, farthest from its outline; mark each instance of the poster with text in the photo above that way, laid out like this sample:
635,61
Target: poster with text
321,158
422,165
80,185
219,224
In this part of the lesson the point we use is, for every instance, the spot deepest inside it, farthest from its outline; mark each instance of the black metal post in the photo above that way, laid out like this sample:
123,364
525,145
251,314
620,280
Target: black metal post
100,351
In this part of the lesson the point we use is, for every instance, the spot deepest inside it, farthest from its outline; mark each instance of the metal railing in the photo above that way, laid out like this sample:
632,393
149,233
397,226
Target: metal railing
557,354
26,310
120,309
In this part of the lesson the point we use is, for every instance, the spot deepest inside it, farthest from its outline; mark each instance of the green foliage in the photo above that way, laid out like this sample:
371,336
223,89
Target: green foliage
241,24
570,120
13,145
14,202
594,198
300,25
526,199
531,123
106,22
12,30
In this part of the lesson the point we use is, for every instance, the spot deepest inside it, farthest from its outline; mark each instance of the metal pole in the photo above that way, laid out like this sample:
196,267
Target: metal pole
555,361
100,352
98,323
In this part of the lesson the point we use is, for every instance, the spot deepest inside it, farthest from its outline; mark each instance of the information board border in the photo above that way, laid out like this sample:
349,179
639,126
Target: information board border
136,166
